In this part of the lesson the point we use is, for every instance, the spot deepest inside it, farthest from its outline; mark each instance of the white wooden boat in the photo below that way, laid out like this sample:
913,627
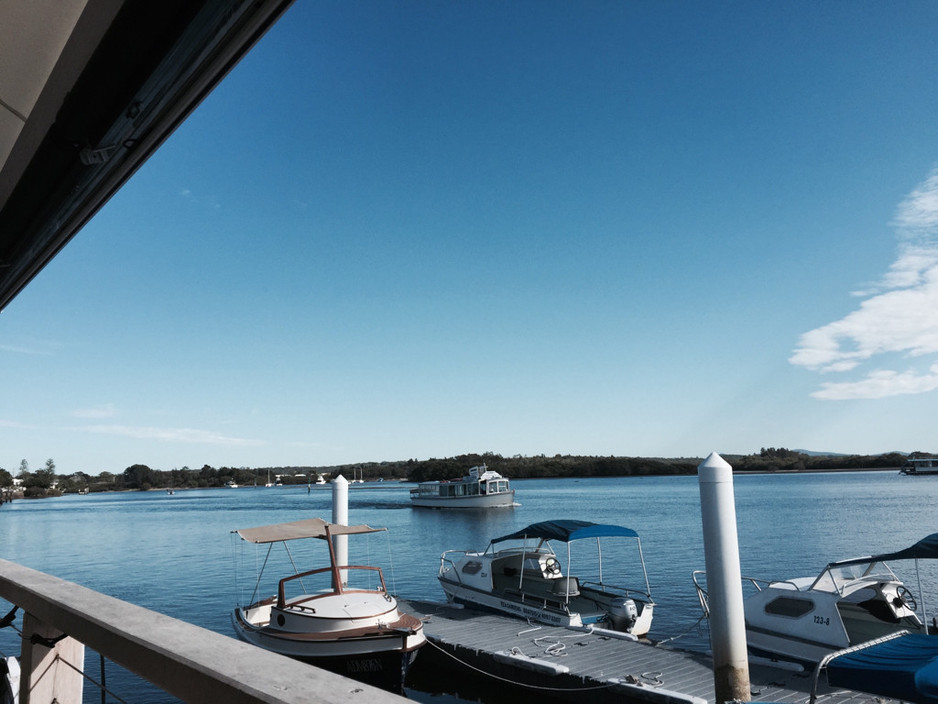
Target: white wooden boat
481,488
340,617
520,574
850,602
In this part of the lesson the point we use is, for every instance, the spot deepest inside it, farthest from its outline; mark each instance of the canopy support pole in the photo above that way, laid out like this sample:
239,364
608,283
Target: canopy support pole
921,595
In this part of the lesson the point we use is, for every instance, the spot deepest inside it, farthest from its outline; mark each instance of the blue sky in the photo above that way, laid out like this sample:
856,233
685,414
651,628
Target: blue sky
418,229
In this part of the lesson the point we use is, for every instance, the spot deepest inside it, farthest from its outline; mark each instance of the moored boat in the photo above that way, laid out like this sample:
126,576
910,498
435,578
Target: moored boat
481,488
339,617
520,574
850,602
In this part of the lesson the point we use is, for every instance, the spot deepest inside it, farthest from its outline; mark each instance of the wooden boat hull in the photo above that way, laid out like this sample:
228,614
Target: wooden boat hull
377,655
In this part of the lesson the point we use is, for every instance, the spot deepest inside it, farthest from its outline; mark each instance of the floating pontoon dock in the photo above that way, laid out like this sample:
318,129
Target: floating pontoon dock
561,663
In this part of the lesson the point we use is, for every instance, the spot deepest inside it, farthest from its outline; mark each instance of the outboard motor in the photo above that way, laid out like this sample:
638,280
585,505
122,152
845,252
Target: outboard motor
623,613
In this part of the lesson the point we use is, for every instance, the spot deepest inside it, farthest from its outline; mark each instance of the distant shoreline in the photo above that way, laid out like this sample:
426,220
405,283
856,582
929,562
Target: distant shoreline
816,471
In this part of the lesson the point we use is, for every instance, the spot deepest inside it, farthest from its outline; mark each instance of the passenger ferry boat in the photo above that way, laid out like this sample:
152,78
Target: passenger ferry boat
920,465
482,488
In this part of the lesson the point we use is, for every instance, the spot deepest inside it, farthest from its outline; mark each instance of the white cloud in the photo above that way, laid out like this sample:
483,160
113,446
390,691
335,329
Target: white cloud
880,384
16,424
106,410
900,314
32,346
187,435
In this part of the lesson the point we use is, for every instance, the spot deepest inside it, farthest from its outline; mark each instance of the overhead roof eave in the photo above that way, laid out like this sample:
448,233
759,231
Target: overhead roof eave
115,78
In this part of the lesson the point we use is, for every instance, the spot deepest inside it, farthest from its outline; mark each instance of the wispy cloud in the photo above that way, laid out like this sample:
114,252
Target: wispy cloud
899,315
186,435
16,424
210,201
106,410
31,346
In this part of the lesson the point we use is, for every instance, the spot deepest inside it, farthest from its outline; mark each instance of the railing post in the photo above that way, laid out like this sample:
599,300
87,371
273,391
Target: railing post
724,581
50,665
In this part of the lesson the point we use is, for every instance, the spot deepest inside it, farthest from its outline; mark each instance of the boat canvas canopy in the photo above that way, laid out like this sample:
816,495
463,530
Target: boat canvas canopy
308,528
567,530
903,668
926,548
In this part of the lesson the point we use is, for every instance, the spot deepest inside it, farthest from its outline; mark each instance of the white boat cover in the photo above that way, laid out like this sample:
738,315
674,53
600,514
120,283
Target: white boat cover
307,528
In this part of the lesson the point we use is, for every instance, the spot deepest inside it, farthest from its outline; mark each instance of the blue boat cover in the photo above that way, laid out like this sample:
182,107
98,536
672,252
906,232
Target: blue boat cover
568,529
925,549
903,668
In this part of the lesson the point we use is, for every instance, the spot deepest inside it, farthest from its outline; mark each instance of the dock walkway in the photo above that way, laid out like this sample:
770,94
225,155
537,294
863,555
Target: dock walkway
563,663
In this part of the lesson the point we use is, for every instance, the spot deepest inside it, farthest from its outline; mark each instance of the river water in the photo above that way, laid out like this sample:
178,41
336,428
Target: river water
175,553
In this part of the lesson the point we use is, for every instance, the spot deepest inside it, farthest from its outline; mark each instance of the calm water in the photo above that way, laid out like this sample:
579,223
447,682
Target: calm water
175,554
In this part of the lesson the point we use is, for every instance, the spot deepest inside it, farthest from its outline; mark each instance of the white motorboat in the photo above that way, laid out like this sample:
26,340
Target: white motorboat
481,488
521,575
339,617
850,602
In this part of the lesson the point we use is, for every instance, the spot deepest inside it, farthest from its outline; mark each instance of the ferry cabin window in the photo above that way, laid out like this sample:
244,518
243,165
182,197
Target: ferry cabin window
497,487
787,606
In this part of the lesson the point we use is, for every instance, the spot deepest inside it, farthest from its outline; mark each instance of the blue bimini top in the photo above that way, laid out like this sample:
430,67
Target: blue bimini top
569,529
925,549
903,668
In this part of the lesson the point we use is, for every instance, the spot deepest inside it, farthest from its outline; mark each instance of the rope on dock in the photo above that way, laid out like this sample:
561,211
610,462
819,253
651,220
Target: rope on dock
696,625
652,679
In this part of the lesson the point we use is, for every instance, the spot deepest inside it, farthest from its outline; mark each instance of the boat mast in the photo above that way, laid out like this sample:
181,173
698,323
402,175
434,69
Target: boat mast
336,576
599,550
921,595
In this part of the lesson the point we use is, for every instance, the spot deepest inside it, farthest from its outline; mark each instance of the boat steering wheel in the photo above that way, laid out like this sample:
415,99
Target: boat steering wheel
904,598
551,565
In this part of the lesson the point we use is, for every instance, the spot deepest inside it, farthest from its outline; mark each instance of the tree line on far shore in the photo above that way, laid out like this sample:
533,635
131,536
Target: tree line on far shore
45,482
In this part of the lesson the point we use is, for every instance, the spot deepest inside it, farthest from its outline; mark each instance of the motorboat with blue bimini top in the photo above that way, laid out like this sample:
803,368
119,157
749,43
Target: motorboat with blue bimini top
481,488
339,617
520,574
850,602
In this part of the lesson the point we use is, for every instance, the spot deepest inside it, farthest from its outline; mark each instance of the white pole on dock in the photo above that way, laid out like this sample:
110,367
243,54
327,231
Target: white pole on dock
340,517
724,581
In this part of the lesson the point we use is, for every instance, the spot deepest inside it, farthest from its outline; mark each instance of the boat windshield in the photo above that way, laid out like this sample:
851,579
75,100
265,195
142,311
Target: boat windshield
837,577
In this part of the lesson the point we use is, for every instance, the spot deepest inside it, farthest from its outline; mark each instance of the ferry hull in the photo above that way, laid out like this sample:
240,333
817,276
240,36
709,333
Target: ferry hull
503,500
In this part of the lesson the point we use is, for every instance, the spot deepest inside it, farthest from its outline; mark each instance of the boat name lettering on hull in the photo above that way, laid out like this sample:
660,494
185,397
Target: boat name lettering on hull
366,665
528,612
